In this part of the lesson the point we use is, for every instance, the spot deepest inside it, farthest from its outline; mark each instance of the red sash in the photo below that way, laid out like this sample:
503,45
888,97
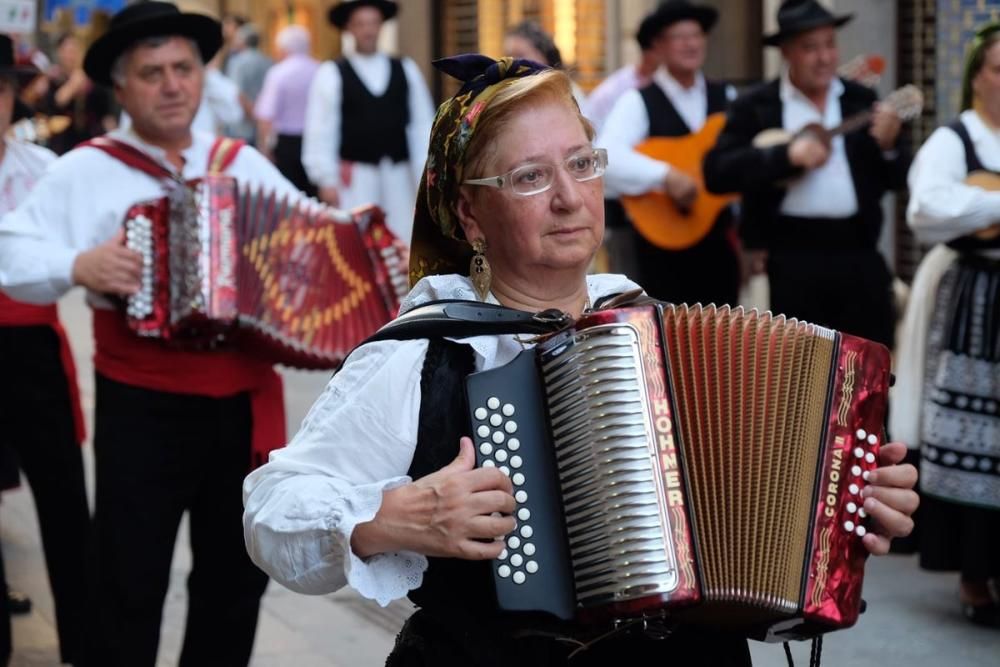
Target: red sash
123,356
17,314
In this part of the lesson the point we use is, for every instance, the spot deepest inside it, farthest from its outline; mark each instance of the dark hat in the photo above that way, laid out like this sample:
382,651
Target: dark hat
23,74
798,16
341,13
149,19
670,12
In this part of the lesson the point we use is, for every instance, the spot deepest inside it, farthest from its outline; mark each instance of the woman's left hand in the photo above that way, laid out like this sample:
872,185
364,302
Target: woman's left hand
890,499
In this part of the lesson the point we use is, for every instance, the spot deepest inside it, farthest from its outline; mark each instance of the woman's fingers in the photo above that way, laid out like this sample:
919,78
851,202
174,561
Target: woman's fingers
889,522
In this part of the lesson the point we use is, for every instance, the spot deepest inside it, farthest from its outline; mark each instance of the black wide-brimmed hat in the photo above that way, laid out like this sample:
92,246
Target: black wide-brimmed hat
149,19
670,12
23,74
341,13
798,16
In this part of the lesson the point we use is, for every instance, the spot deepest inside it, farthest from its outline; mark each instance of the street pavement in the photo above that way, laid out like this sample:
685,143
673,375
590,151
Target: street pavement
912,620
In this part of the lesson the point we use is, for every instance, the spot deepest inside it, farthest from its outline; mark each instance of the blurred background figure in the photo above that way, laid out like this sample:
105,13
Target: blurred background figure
230,24
247,67
527,40
281,106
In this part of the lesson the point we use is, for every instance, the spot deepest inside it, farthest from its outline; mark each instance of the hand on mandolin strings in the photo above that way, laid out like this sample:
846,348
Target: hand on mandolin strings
681,188
457,512
808,152
890,499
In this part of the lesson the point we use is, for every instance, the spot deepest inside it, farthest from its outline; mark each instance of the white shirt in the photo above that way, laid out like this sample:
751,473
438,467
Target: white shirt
601,100
321,137
358,440
23,164
629,172
826,192
941,206
81,202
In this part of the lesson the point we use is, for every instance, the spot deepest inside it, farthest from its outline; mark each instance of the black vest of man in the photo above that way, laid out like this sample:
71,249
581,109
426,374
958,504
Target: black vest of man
373,127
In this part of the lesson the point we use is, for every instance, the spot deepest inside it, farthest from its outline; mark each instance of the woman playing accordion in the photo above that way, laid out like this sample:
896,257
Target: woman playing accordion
380,488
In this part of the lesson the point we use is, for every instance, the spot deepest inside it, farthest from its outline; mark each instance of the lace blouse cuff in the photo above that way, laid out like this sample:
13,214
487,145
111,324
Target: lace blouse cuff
382,577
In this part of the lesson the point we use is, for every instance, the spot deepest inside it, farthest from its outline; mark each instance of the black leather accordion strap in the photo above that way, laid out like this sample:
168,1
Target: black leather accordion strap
466,319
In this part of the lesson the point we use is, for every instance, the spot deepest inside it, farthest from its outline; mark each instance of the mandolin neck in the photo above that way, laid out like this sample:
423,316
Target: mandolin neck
855,122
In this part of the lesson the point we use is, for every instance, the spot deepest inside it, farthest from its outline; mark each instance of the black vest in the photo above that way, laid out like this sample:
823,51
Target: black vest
374,127
664,121
972,163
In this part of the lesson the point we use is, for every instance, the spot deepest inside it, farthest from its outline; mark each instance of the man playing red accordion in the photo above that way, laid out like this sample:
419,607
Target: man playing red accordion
176,430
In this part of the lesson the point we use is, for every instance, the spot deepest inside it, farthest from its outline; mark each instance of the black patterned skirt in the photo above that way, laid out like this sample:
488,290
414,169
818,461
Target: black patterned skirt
960,448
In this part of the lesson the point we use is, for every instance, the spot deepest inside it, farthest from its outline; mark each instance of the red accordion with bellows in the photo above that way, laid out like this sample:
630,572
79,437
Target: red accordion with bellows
285,279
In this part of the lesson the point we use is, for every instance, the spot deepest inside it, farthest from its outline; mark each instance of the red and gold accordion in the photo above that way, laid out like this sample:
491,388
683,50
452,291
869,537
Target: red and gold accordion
698,464
287,280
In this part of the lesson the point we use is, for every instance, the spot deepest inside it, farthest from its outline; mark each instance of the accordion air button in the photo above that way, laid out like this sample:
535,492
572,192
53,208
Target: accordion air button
524,514
483,431
521,496
870,457
527,532
501,455
498,437
856,470
513,444
505,470
852,508
510,427
486,448
518,479
508,410
515,461
862,434
496,420
516,560
513,541
504,571
529,549
860,531
872,439
849,526
531,567
481,414
519,577
853,488
858,452
493,402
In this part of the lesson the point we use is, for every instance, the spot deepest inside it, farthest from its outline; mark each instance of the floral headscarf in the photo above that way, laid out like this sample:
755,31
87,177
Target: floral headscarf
438,246
979,44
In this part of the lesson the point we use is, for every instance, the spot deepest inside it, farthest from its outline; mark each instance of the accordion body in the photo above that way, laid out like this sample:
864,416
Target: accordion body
689,463
289,281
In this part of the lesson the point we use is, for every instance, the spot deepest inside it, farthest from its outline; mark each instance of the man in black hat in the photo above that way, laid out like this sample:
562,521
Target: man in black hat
176,430
676,103
368,120
41,425
812,210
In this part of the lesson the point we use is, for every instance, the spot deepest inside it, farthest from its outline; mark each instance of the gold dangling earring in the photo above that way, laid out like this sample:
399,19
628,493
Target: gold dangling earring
479,270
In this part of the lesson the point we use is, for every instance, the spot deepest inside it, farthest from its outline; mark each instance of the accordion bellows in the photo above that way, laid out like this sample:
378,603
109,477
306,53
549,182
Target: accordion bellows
697,463
289,281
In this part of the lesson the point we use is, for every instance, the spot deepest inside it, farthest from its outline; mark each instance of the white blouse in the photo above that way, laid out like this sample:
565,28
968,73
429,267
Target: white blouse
357,441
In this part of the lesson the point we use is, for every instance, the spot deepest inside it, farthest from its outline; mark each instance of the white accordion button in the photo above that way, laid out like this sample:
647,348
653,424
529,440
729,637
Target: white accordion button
852,508
513,444
507,410
529,549
858,452
531,567
870,457
498,436
521,496
503,555
518,479
486,448
483,431
515,461
493,402
862,513
872,439
849,526
481,414
488,463
519,577
505,470
865,475
524,514
527,531
516,560
510,427
496,420
856,470
862,434
513,541
504,571
501,455
853,488
860,531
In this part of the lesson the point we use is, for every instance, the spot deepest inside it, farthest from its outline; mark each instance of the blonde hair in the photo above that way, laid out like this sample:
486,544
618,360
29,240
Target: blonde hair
548,86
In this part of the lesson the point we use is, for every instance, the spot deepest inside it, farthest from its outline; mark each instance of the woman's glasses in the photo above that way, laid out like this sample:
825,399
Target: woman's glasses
533,179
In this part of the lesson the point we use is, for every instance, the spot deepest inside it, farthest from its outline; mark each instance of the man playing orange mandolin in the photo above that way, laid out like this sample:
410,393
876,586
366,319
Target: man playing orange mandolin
676,103
812,204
